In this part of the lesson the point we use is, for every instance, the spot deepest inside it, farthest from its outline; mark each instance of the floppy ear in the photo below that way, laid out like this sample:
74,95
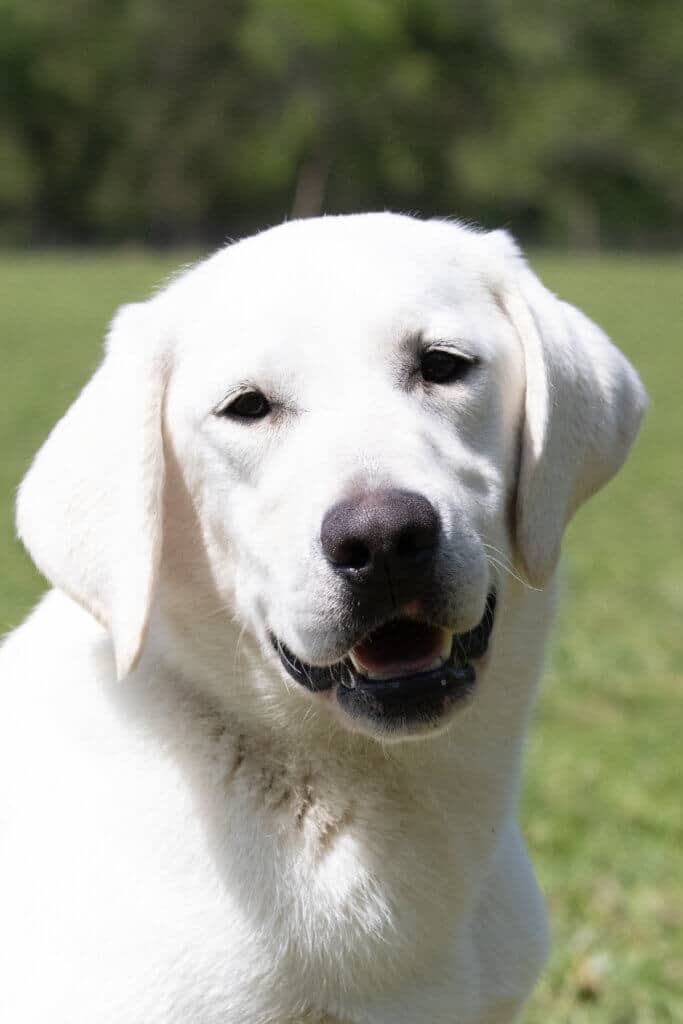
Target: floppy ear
89,510
584,402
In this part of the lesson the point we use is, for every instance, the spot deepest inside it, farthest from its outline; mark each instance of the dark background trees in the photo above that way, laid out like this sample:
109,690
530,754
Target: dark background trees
169,122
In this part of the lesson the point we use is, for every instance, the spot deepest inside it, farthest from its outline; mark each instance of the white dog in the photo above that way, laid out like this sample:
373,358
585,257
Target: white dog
308,509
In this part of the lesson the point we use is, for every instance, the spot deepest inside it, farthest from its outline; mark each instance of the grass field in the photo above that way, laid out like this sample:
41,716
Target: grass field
602,804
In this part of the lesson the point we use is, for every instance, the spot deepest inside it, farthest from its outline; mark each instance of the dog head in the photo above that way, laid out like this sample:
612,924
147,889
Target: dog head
339,434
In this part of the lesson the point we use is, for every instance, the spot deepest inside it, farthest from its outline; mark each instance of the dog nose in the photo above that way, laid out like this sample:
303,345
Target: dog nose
390,531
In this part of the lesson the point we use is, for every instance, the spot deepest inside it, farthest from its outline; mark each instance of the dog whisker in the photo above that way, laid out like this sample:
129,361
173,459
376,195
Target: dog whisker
500,560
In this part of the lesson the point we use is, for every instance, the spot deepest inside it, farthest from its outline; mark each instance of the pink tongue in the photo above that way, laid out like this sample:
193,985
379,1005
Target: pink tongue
404,642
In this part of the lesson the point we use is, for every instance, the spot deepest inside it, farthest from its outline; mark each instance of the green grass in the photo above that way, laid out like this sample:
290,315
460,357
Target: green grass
602,804
602,807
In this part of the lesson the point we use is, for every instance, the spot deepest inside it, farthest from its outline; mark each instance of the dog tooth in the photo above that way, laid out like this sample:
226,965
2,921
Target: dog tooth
356,664
446,644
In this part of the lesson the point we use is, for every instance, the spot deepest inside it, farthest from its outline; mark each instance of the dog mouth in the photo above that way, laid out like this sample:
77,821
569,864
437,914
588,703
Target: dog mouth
403,672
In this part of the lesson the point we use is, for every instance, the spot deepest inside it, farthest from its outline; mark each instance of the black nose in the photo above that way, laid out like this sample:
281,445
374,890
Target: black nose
382,531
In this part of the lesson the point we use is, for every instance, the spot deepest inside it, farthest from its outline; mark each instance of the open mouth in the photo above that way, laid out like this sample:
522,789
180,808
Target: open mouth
405,672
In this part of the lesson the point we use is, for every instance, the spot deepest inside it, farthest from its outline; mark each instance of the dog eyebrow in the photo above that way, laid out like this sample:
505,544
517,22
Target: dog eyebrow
457,346
415,342
233,392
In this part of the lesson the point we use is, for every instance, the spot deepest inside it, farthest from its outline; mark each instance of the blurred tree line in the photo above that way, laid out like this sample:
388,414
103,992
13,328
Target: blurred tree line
167,121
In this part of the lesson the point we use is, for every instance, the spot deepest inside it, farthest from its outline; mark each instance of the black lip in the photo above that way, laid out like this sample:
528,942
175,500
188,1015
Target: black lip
419,701
393,704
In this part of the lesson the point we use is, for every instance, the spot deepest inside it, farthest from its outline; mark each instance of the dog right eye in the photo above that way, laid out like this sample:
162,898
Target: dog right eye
250,405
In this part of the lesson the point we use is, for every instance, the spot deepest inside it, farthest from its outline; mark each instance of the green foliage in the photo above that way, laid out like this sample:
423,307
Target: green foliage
140,119
602,797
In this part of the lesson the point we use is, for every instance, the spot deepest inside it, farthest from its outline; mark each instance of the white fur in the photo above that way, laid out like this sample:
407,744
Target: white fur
204,840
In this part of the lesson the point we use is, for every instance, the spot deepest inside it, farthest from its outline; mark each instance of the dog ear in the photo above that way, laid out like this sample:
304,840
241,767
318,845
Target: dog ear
89,510
584,402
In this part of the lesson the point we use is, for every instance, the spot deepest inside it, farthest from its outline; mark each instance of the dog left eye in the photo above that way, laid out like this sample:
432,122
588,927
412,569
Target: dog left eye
439,366
250,405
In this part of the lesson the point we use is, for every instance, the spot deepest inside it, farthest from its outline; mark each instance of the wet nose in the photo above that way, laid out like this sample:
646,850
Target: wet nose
382,531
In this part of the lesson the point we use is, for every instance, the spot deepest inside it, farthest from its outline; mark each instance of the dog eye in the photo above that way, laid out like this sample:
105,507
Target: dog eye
439,366
250,405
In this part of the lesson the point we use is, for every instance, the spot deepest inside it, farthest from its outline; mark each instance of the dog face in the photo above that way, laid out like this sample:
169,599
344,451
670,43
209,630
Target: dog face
350,423
346,407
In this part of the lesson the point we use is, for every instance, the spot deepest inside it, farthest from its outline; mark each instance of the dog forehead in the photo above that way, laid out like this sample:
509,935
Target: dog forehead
333,289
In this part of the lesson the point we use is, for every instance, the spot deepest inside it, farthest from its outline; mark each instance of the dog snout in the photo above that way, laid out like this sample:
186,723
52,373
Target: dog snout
384,532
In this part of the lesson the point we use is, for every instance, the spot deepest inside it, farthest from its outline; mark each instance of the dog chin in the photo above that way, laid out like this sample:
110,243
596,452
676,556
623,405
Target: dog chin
406,726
